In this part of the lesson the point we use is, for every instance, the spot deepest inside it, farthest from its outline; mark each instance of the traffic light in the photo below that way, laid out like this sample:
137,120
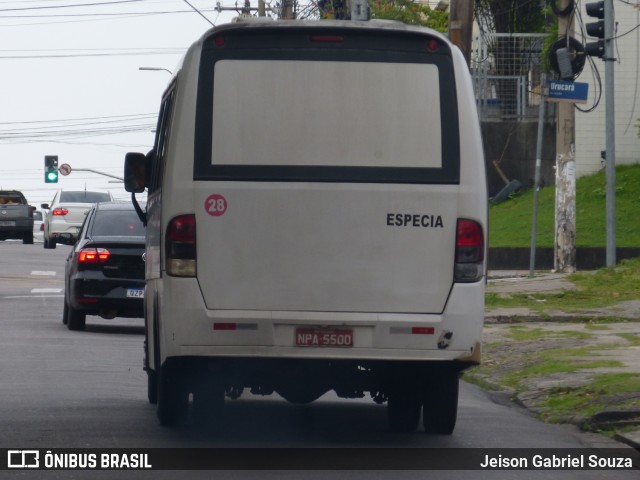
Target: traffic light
51,169
595,29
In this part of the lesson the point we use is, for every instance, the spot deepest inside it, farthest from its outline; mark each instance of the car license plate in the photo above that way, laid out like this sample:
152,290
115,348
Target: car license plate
135,292
324,337
7,224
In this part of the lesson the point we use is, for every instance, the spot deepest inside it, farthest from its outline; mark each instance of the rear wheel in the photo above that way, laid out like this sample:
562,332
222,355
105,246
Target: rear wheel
403,411
152,387
76,320
49,243
172,397
208,402
65,312
28,239
440,408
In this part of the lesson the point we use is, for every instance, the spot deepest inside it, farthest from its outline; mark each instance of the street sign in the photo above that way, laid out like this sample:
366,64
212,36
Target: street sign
65,169
567,91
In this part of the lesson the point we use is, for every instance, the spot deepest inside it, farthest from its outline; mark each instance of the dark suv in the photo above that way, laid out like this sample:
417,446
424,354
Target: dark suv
104,274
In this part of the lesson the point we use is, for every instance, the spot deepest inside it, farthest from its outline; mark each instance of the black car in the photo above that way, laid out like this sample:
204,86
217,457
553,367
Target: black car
104,274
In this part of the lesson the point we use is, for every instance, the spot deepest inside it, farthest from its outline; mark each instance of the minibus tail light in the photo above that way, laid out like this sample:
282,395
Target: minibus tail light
469,262
180,246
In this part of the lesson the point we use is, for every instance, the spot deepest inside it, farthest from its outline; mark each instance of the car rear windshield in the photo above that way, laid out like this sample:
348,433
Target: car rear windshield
370,107
11,199
117,223
84,197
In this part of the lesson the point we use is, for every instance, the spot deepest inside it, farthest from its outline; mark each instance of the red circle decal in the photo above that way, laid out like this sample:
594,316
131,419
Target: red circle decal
215,205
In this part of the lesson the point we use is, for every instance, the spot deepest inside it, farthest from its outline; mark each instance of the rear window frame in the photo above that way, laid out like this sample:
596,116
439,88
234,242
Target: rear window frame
106,196
96,221
362,46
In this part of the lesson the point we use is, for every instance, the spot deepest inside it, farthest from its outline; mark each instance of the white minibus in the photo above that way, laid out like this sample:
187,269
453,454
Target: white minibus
316,221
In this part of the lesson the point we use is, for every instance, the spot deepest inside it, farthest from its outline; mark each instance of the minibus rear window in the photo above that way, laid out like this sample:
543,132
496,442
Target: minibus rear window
328,114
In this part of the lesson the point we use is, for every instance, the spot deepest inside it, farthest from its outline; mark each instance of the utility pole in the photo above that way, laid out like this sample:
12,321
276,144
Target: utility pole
565,206
286,12
246,9
610,165
461,26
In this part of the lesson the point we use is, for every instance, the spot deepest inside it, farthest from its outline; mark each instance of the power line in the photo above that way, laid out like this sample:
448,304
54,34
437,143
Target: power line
68,6
106,54
83,118
75,15
199,13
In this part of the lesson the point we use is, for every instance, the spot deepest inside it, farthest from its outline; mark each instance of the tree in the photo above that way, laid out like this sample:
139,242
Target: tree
411,12
405,11
512,56
511,16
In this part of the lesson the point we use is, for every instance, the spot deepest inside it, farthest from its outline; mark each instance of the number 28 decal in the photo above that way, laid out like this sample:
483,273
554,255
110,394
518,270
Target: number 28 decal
215,205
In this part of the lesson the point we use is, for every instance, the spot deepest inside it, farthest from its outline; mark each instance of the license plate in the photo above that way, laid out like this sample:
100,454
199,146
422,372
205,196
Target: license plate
323,337
135,292
7,224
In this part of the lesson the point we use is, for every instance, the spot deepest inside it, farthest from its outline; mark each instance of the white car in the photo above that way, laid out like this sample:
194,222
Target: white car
38,224
66,214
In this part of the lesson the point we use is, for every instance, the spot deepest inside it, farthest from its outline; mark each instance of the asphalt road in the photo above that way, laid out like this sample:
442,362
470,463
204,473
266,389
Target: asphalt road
64,389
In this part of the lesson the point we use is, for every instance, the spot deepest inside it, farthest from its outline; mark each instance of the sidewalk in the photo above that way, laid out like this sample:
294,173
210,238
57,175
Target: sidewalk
568,330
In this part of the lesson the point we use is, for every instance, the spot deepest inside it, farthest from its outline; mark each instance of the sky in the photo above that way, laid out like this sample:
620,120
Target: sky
70,84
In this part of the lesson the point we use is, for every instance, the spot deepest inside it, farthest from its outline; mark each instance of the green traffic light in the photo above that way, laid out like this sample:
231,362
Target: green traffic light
52,177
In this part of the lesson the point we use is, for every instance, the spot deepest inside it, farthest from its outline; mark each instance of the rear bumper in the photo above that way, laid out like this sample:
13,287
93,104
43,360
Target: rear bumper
17,230
95,295
188,329
63,231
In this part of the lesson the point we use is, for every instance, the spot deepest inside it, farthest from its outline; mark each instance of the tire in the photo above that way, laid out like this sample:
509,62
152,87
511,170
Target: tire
208,402
172,397
152,387
65,313
28,239
440,407
152,375
49,243
403,411
76,320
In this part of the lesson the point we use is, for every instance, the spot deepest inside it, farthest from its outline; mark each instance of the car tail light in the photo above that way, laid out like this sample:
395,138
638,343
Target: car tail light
180,246
42,227
59,212
93,255
469,264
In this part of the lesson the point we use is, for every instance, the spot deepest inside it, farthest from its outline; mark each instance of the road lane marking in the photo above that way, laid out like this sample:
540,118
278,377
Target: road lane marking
46,290
47,273
31,296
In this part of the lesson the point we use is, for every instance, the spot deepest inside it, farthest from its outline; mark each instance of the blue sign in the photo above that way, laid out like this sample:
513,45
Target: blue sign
563,91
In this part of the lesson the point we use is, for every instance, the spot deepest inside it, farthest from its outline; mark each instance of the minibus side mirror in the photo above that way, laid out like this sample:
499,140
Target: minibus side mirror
135,172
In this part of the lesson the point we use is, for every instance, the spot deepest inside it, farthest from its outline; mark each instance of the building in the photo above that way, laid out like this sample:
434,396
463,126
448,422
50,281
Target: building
590,127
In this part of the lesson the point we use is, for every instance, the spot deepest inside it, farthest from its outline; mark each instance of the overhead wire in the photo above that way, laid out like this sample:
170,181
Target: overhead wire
75,5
